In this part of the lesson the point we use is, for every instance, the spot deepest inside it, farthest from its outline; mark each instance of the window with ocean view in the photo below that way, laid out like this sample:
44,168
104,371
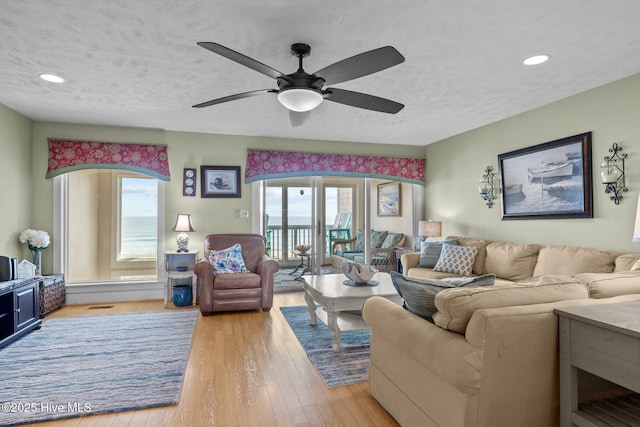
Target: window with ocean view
138,218
113,226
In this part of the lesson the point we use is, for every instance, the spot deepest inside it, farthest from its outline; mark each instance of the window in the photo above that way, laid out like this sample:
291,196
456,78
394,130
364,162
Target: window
138,218
111,229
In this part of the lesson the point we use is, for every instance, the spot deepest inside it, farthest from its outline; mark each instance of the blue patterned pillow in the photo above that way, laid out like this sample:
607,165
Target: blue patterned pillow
228,260
456,259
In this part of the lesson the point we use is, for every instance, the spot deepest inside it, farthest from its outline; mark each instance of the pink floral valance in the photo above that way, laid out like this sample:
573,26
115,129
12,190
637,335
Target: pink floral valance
265,164
67,156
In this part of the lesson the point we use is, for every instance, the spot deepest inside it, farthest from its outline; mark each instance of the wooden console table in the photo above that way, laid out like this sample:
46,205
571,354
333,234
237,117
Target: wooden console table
604,340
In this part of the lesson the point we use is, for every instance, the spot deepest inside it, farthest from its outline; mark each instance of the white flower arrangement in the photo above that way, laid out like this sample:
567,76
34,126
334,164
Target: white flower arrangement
37,240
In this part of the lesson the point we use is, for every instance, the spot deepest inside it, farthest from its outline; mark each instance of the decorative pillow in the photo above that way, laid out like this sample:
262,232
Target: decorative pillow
419,294
359,241
456,259
636,266
392,240
228,260
377,238
430,252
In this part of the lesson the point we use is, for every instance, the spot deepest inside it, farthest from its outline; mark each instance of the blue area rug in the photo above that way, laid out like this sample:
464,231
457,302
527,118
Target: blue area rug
283,281
95,364
349,366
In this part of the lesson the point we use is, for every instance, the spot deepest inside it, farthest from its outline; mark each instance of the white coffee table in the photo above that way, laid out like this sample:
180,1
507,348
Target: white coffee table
340,305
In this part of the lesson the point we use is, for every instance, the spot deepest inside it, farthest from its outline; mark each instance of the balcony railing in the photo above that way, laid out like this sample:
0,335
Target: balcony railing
282,243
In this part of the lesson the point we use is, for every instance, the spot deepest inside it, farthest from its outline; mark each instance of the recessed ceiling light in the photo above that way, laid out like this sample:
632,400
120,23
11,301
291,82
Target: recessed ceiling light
51,78
535,60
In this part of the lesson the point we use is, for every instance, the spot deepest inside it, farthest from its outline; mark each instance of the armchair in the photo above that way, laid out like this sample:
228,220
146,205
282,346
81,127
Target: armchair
237,291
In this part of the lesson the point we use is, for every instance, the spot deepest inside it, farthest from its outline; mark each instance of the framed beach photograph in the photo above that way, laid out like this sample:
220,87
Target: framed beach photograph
548,181
220,181
389,199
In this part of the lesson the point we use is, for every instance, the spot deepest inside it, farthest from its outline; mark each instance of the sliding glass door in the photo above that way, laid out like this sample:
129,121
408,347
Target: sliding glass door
314,211
289,217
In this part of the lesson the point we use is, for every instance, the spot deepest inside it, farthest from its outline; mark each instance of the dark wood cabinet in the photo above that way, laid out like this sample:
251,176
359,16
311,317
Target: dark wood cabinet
19,308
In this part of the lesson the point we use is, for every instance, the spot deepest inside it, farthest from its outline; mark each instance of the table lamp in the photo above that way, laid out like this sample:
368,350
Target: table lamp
183,226
430,229
427,230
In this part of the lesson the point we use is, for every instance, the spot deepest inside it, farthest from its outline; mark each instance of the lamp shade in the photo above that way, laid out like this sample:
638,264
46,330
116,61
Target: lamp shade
183,223
430,228
300,100
636,230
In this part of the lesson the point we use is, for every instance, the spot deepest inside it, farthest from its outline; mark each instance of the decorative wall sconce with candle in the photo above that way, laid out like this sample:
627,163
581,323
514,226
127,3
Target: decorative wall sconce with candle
612,173
183,226
486,186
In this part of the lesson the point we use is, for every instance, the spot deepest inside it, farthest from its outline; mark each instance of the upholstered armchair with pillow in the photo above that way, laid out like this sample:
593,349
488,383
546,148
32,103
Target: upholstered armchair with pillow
235,274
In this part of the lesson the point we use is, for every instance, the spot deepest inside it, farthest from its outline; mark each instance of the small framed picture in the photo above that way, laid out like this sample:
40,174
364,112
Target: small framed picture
389,199
220,181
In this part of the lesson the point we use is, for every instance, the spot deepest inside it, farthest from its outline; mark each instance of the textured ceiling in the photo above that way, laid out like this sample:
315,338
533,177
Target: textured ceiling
136,62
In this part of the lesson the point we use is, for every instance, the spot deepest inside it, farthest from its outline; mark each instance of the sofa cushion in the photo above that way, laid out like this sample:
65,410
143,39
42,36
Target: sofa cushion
349,255
227,261
392,239
605,285
511,261
456,306
626,262
478,265
419,294
456,259
636,266
377,238
570,260
430,252
359,245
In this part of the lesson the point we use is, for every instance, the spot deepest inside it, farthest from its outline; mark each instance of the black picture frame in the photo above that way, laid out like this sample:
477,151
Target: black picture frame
220,182
552,180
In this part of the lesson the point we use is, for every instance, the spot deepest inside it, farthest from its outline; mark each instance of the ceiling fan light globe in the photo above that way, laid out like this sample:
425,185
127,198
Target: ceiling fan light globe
300,100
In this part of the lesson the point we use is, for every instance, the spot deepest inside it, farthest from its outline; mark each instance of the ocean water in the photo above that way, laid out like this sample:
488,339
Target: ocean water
139,236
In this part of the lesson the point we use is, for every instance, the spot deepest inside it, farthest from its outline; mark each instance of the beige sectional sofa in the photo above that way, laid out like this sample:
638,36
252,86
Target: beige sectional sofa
490,358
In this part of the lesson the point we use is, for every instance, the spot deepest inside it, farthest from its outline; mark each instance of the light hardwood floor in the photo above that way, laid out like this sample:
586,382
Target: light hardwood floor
245,369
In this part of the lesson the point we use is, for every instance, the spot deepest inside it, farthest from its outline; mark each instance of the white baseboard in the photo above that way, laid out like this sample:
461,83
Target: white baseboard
120,292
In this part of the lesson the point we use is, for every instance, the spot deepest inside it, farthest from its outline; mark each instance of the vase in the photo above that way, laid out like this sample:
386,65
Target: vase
36,256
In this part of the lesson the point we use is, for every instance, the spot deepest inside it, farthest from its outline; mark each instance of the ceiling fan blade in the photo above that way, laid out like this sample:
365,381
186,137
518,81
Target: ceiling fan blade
360,65
241,59
298,118
362,100
234,97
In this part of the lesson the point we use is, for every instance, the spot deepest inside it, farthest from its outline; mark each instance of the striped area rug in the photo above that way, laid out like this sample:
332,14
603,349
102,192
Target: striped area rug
95,364
349,366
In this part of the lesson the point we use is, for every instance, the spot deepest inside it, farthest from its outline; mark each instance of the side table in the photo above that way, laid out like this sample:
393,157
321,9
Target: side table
399,252
301,268
180,265
604,340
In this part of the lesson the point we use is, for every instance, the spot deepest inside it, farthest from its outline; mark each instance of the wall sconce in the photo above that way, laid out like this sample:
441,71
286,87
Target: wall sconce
612,173
486,188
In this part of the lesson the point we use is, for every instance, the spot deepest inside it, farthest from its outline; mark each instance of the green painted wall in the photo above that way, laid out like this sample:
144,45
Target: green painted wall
455,165
15,182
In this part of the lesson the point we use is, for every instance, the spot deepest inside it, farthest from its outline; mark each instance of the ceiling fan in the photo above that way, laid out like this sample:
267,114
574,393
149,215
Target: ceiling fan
301,92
